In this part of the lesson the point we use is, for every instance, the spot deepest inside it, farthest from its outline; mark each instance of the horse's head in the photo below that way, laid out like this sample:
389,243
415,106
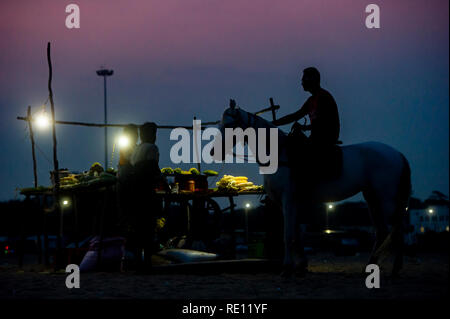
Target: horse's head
230,119
239,128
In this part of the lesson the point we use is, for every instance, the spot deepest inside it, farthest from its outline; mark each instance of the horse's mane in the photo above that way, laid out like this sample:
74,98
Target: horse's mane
255,118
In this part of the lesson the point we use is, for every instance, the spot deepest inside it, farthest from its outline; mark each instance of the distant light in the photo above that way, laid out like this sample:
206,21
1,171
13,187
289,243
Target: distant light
422,230
42,120
65,202
327,231
247,205
124,141
430,211
330,206
446,228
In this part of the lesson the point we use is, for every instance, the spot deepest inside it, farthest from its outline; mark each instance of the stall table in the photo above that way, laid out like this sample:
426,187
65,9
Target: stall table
104,189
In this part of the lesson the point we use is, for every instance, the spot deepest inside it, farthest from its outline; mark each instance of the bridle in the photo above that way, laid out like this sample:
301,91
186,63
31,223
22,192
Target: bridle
238,120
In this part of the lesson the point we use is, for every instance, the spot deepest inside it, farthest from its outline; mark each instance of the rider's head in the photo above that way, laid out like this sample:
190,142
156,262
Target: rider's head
311,79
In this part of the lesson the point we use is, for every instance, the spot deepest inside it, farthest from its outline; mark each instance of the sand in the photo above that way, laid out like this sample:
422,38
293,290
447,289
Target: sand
329,277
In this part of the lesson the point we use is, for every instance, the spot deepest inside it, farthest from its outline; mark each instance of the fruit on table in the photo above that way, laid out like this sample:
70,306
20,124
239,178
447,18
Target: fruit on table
111,170
210,172
180,171
194,171
191,171
68,180
167,170
236,183
96,168
160,223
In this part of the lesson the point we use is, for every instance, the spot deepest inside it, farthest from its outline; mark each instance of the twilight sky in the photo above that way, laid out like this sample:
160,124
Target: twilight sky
175,59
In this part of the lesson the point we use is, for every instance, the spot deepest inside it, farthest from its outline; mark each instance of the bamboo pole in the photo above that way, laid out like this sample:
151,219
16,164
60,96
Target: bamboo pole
58,262
121,125
30,126
272,108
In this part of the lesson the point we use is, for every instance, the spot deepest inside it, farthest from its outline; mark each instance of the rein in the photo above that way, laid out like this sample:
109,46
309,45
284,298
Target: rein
249,123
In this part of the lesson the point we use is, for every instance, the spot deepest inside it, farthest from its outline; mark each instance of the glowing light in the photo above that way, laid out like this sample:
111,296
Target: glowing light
42,120
65,202
123,141
330,206
247,205
430,211
327,231
422,230
446,228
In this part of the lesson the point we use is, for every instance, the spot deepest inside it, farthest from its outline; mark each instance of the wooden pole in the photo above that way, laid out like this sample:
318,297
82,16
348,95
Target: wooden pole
122,125
30,126
273,108
58,263
196,148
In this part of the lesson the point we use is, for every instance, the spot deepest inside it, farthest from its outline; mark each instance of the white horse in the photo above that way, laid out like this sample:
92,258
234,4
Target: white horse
377,170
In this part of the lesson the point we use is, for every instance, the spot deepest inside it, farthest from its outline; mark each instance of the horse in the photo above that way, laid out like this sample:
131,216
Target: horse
377,170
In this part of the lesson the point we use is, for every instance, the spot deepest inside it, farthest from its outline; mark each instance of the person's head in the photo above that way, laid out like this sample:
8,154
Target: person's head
311,79
131,131
148,132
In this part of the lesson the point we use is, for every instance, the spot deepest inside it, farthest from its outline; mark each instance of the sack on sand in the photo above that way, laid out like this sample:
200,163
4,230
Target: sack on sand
113,250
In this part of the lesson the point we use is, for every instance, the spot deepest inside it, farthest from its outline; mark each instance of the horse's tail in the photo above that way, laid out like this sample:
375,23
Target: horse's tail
405,188
394,241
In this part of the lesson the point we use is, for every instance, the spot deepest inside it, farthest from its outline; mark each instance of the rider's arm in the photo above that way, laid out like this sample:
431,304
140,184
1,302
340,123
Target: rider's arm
294,116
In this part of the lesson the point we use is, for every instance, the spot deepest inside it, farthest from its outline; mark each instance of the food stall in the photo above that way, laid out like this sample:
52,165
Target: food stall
91,198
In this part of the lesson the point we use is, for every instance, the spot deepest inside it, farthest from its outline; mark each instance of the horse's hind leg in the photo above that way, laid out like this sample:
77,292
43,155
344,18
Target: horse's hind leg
398,243
300,259
398,247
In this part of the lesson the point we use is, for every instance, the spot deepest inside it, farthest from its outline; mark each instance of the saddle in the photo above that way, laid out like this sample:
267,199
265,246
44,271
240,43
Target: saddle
313,161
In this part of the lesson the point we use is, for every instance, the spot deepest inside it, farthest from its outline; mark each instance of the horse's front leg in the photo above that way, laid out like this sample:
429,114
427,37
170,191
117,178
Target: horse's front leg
294,257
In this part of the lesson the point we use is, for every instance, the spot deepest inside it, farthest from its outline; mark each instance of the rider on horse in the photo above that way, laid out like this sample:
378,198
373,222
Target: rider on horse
324,117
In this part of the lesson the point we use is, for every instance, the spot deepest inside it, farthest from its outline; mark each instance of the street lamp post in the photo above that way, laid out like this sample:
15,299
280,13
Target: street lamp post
247,206
329,208
432,224
105,73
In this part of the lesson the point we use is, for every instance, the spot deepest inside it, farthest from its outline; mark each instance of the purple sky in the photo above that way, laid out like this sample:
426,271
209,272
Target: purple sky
176,59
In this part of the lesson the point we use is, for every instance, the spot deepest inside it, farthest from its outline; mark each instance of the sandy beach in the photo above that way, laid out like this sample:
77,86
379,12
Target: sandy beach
329,277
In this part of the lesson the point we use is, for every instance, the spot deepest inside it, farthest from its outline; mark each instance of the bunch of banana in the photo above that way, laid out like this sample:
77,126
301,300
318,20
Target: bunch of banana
254,188
210,172
68,180
234,183
96,169
181,172
167,170
160,223
194,171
